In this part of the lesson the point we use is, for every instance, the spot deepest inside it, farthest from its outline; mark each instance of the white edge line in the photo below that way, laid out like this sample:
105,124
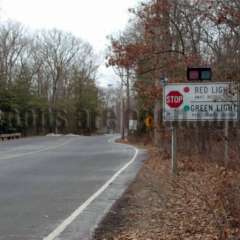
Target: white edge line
81,208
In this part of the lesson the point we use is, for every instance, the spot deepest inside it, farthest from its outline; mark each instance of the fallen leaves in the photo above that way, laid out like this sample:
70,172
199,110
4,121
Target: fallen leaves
200,204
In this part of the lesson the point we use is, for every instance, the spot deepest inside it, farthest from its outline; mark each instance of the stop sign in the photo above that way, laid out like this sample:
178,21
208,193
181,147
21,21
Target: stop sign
174,99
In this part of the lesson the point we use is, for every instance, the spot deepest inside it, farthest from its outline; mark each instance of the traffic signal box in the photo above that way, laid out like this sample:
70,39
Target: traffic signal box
199,74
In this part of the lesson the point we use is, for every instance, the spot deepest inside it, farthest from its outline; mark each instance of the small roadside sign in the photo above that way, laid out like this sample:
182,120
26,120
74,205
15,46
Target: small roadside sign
200,102
149,122
133,125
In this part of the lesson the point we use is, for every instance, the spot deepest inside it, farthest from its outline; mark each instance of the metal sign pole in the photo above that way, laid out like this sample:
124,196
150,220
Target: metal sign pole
238,103
226,140
174,150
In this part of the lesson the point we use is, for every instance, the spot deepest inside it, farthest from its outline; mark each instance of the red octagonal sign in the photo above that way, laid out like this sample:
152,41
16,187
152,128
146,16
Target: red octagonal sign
174,99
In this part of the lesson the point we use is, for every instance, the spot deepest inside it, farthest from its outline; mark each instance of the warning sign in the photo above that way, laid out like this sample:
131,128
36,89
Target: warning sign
149,122
200,102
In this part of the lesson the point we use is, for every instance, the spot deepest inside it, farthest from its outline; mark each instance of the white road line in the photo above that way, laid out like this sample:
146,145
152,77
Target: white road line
37,151
81,208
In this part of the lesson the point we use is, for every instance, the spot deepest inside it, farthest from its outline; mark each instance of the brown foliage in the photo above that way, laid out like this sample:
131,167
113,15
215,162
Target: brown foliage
177,34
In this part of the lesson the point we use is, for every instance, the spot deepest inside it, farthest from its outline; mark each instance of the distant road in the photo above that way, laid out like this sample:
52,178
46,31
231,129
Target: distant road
44,179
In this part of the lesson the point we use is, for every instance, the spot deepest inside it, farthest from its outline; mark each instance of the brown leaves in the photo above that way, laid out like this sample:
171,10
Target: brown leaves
124,53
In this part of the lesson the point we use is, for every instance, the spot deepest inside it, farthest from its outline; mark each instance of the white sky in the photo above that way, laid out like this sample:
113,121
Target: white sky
91,20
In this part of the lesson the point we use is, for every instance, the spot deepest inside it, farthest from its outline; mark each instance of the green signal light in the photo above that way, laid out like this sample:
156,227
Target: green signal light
205,75
186,108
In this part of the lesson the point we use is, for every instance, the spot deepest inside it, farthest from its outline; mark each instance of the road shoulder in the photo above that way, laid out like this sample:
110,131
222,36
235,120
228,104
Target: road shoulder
192,205
85,224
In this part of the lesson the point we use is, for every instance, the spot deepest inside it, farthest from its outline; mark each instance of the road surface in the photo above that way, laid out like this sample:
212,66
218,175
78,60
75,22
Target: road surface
44,179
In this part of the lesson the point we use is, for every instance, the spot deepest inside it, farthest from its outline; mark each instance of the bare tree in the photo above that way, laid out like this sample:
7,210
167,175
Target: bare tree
12,44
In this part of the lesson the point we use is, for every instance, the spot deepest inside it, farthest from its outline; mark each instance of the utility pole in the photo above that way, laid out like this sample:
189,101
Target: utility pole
122,115
157,46
161,42
127,114
156,117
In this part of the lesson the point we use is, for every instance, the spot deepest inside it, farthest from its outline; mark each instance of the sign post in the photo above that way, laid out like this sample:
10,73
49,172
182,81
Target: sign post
226,141
174,150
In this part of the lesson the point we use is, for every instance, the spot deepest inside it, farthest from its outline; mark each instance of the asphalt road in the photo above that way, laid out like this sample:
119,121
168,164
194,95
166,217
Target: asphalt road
44,179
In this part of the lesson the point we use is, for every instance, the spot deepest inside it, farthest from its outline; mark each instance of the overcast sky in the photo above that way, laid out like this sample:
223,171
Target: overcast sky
92,20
